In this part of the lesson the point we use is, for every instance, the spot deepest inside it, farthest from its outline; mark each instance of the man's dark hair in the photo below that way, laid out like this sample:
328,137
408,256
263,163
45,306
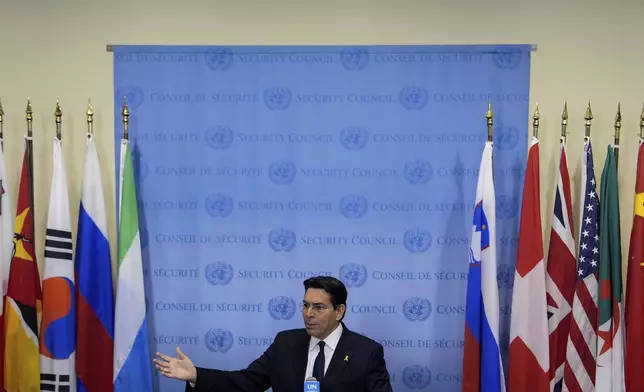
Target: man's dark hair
333,286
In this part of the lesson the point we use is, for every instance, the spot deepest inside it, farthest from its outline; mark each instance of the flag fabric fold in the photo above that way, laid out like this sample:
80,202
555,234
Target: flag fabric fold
132,370
634,302
94,290
482,366
561,273
528,350
610,328
58,328
6,249
24,294
581,352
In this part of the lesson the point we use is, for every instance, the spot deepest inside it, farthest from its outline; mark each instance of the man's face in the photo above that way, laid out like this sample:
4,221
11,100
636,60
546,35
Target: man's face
320,319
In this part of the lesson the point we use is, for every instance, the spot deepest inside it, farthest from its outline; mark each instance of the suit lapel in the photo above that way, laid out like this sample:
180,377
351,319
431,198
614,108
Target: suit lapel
301,350
340,358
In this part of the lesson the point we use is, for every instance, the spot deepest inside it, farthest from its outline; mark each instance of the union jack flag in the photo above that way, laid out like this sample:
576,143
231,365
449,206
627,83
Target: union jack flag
581,355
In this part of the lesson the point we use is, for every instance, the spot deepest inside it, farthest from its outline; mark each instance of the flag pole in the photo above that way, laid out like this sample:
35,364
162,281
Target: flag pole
2,126
535,122
126,119
90,119
490,121
58,114
618,126
564,122
589,118
30,160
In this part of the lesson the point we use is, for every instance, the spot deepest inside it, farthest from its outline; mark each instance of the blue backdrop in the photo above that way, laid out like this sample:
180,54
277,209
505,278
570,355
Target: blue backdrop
258,167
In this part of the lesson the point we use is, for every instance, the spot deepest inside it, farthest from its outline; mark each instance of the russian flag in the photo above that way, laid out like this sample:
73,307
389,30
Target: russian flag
482,366
94,290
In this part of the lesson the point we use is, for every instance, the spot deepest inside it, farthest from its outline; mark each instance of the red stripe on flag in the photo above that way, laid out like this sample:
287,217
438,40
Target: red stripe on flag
93,345
525,364
471,381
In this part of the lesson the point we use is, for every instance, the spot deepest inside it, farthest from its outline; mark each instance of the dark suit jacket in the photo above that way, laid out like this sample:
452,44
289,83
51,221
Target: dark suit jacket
357,365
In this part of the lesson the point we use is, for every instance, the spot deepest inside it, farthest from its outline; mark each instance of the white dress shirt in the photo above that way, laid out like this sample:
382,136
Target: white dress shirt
330,344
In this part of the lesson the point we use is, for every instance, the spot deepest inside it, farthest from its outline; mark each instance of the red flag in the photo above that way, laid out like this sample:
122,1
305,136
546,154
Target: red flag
562,273
528,352
634,313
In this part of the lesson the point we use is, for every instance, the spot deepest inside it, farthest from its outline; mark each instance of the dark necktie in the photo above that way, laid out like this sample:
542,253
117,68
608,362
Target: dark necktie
318,366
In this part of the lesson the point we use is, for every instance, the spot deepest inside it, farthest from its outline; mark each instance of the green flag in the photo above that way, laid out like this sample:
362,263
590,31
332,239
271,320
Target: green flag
610,337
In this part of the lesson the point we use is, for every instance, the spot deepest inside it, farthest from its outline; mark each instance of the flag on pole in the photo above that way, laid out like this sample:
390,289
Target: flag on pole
58,328
561,273
6,249
132,370
24,295
94,291
528,351
482,366
634,312
610,333
579,369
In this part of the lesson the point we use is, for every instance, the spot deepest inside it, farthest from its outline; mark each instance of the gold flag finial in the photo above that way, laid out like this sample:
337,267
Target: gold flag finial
58,114
490,121
588,117
90,117
535,122
564,119
618,127
30,117
125,113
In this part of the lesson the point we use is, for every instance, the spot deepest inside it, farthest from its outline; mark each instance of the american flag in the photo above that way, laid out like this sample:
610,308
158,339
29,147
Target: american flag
579,371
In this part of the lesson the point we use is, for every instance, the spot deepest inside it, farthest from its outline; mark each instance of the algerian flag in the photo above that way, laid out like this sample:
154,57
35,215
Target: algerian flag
132,370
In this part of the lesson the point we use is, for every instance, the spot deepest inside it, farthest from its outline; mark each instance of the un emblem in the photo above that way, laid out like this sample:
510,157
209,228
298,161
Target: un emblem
219,340
219,137
281,308
219,205
132,94
507,58
506,206
219,58
418,172
505,275
354,138
417,377
417,309
282,172
417,240
281,240
353,274
414,97
354,59
353,206
277,98
219,273
506,138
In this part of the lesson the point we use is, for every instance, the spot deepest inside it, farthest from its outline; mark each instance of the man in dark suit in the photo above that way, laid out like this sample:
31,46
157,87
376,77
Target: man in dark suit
343,361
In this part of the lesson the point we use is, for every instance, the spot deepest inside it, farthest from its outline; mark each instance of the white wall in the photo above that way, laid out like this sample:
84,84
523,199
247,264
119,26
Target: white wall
587,49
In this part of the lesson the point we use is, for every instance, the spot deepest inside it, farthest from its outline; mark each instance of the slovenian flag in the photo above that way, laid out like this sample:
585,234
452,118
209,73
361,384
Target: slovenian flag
482,366
94,291
132,370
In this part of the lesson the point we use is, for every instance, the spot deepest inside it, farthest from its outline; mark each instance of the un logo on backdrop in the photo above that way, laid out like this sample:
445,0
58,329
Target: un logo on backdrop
505,275
417,240
417,309
417,377
418,172
353,206
219,273
354,138
282,172
354,59
506,138
507,58
132,94
219,205
281,308
219,58
219,340
413,97
277,98
281,240
219,137
506,206
353,274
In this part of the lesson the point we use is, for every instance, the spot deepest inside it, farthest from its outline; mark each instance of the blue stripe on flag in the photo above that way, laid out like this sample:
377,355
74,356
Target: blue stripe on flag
136,373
